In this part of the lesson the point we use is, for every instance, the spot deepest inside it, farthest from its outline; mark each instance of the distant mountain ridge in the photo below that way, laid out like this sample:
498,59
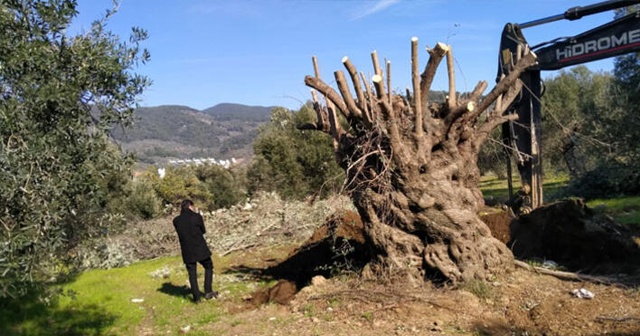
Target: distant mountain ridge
170,132
227,111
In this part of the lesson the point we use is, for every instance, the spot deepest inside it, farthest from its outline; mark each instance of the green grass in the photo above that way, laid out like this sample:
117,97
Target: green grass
625,210
114,291
498,189
102,302
479,288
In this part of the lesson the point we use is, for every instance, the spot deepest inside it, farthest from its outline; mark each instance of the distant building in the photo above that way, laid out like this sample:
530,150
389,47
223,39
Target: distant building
200,161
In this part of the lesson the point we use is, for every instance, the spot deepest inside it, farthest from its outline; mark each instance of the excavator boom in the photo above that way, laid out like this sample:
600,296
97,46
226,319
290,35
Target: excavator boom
522,137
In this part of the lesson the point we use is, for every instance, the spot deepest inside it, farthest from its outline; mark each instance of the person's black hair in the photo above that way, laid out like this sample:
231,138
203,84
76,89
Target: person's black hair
184,206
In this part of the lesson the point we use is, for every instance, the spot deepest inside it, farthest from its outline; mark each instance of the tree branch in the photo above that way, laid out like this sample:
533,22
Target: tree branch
387,110
436,55
353,73
418,130
376,64
483,132
336,129
370,112
507,98
505,83
328,92
452,80
321,115
332,95
353,110
477,91
565,275
388,63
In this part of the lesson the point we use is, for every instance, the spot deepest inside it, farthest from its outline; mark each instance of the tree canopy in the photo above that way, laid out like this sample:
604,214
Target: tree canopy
61,95
295,163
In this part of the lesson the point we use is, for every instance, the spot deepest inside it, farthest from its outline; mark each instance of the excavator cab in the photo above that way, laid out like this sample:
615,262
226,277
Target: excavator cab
522,137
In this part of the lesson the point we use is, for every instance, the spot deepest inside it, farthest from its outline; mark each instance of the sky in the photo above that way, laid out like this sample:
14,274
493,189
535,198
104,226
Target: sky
257,52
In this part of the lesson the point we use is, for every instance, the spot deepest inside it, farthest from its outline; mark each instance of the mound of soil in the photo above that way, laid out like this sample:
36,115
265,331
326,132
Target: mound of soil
566,232
499,223
338,245
282,293
576,237
570,234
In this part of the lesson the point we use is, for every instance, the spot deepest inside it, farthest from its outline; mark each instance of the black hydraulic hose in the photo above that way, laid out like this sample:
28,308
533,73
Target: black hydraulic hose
579,12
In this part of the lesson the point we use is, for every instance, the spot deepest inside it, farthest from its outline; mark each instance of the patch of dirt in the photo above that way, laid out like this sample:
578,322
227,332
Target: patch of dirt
282,293
522,302
519,303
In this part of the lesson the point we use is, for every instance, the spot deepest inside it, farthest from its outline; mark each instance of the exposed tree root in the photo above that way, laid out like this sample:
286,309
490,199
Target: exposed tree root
567,275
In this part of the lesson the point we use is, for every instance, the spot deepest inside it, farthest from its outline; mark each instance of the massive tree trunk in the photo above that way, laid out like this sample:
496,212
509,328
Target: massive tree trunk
411,165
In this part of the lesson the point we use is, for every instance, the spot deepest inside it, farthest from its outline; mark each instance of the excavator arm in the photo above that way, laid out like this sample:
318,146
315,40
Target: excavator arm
521,138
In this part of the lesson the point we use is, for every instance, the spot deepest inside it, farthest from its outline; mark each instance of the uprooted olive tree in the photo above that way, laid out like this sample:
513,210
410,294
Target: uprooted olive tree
411,165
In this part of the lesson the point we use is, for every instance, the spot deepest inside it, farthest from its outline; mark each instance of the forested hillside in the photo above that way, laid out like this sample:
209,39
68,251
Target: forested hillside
226,112
169,132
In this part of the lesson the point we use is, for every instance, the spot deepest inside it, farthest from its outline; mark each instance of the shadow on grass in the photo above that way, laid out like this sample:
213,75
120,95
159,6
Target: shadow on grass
173,290
30,316
249,272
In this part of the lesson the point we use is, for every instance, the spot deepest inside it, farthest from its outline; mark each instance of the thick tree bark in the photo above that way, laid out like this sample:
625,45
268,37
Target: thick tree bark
411,166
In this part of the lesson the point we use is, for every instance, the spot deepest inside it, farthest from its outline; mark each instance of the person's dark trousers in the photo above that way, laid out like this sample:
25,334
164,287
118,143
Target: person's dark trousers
193,277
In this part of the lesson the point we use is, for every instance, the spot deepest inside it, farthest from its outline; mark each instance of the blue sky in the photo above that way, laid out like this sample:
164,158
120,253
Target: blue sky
257,52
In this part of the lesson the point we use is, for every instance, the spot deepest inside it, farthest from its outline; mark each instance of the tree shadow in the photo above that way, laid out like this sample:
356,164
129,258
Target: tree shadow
28,315
173,290
253,273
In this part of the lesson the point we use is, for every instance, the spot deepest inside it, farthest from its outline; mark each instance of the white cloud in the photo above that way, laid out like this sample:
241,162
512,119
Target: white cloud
378,6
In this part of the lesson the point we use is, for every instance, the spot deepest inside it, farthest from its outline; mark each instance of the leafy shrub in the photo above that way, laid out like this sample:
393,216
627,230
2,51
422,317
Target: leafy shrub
210,186
143,202
104,253
607,180
177,184
226,188
294,163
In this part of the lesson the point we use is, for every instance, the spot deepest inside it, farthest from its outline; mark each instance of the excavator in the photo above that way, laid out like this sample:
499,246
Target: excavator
521,137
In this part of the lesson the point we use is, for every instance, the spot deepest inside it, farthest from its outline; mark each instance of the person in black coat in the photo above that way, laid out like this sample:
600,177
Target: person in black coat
190,228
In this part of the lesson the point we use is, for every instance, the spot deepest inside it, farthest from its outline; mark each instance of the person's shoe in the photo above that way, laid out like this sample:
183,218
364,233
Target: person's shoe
196,300
211,295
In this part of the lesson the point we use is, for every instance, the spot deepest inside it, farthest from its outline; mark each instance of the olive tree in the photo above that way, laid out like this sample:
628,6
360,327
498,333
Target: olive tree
61,95
295,163
411,164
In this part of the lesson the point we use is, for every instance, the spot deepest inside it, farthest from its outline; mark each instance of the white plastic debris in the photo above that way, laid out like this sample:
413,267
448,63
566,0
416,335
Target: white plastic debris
137,300
582,293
